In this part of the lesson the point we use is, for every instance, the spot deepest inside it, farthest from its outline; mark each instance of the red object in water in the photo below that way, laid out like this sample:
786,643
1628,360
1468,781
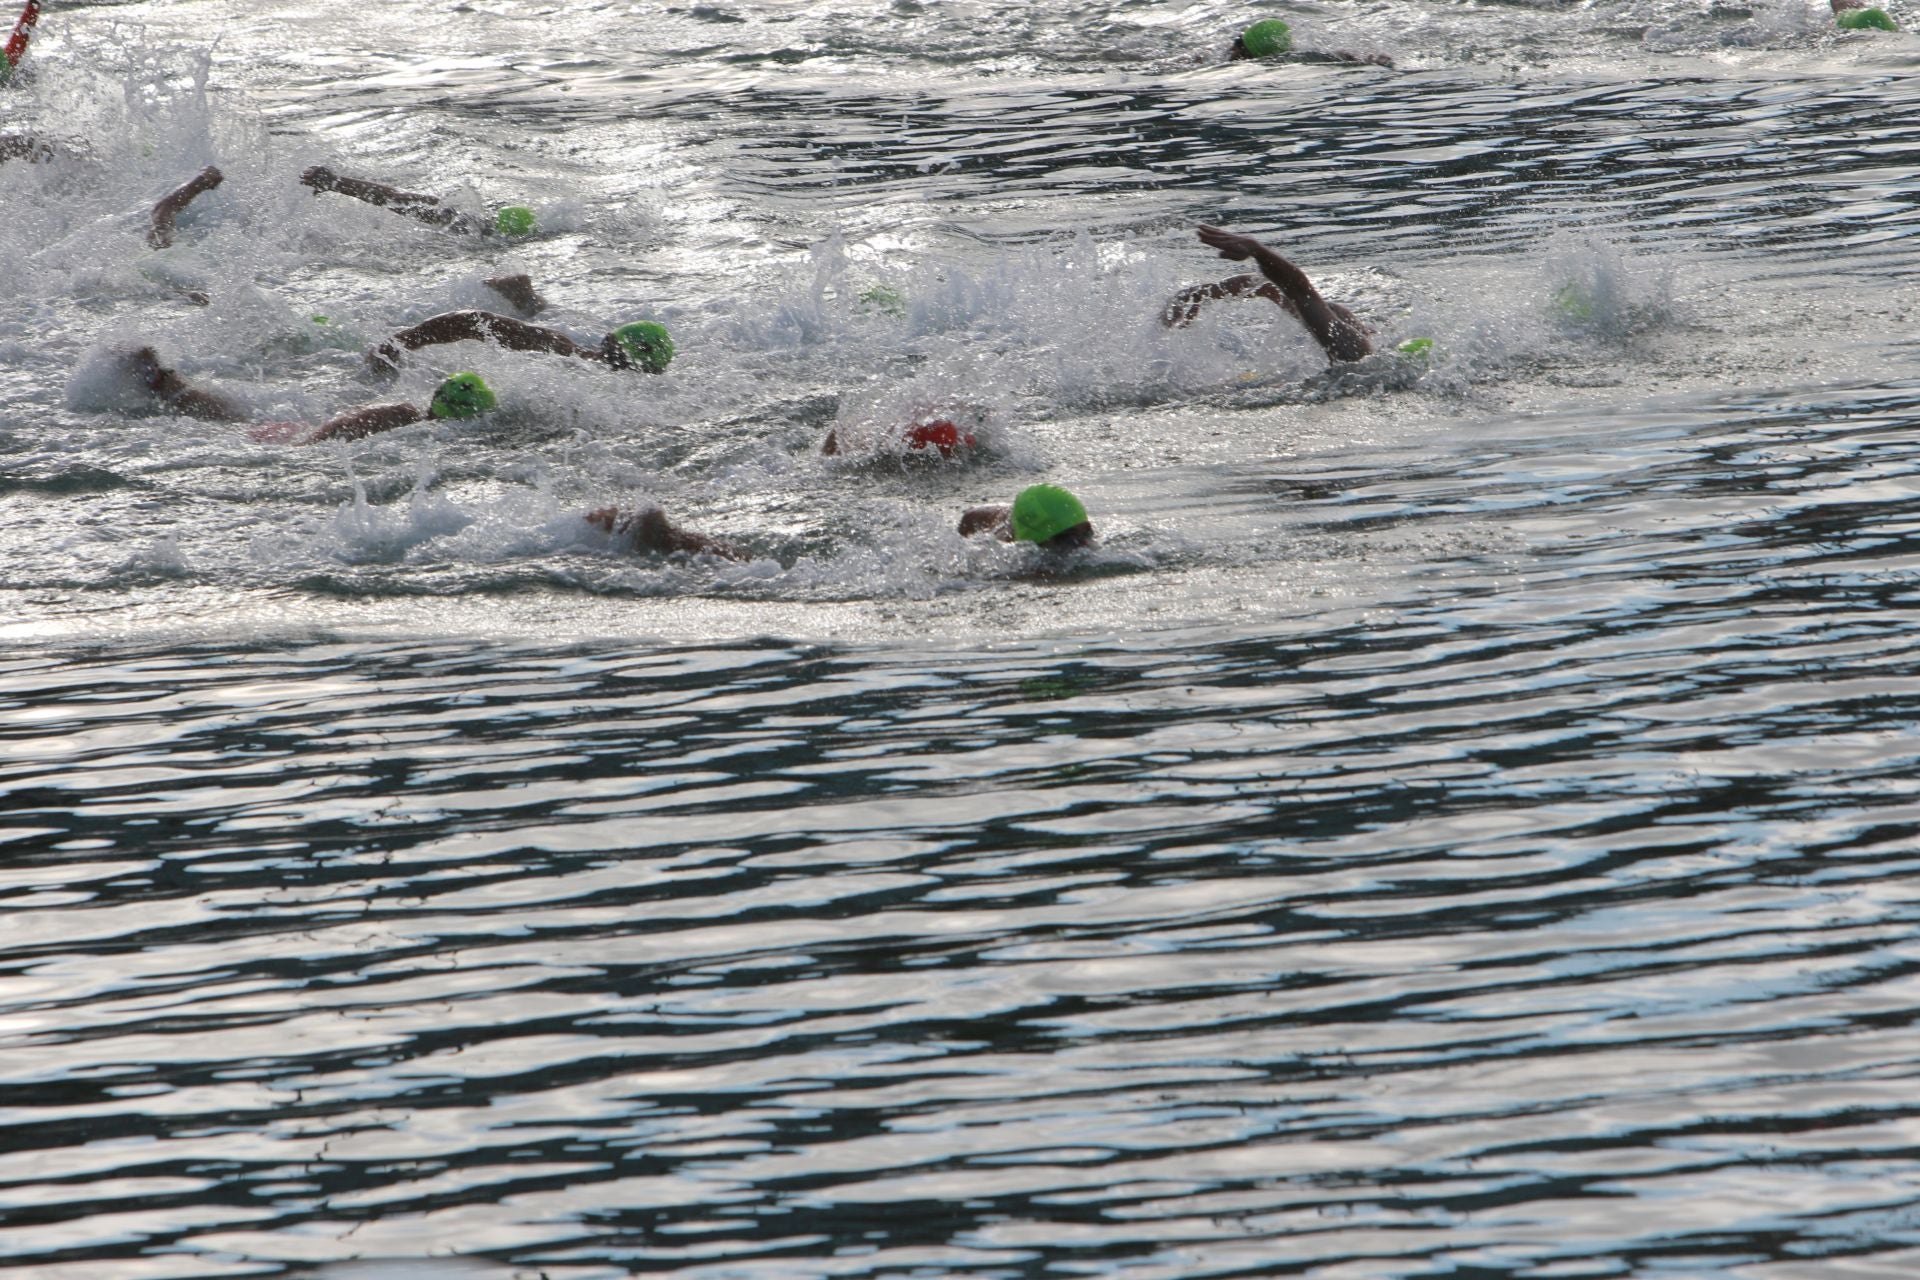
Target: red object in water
939,434
17,42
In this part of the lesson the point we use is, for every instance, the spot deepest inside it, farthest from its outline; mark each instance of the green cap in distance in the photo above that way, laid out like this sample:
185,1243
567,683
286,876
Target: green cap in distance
645,343
1266,38
1044,511
464,395
1416,348
514,220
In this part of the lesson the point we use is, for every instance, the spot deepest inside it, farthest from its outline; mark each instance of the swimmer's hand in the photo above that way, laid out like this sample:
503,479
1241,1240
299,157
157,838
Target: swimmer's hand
1232,247
320,178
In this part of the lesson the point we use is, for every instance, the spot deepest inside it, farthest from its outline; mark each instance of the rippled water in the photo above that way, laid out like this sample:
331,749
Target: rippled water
1461,820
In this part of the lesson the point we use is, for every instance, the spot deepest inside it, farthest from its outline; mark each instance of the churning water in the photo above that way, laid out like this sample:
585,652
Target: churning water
1461,819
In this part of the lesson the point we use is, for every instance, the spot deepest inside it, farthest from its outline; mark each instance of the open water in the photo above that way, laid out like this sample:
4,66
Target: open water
1463,819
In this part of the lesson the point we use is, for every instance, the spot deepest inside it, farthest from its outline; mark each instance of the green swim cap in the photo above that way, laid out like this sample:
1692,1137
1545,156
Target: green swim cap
1864,20
1044,511
884,298
514,220
1266,38
646,344
1416,348
1575,301
464,395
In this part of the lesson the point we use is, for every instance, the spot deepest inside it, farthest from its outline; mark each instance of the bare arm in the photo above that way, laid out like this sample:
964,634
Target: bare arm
366,421
171,390
477,326
1184,307
408,204
649,530
519,292
997,521
160,235
1337,330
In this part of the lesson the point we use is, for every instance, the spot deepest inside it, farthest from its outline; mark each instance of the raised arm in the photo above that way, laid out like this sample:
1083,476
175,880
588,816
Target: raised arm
477,326
1337,330
160,234
408,204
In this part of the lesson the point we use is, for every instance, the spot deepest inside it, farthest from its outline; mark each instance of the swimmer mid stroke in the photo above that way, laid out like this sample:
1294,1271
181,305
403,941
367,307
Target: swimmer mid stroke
512,220
1338,331
1854,15
642,345
1272,38
464,395
1043,514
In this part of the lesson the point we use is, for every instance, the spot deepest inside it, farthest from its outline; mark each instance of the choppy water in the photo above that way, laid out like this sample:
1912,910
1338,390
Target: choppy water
1462,819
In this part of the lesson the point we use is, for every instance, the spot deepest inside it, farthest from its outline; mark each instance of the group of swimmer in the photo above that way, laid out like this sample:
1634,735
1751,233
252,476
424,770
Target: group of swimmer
1045,515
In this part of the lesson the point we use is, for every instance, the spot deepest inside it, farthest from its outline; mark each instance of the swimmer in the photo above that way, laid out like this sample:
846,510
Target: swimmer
1338,331
649,530
1854,15
168,207
1043,514
513,220
940,434
642,345
1270,38
464,395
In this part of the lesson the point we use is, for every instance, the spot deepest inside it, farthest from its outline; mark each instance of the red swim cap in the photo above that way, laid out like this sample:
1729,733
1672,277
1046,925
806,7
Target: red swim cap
939,434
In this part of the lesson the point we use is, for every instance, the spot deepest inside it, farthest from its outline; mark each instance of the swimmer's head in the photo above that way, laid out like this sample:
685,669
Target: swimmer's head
884,298
1864,20
645,344
1050,516
514,220
939,434
1575,301
464,395
1266,38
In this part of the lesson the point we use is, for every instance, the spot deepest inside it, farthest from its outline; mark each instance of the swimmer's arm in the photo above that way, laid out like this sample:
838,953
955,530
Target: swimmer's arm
1363,59
173,391
1184,307
477,326
997,521
1337,330
366,421
650,530
408,204
160,234
519,292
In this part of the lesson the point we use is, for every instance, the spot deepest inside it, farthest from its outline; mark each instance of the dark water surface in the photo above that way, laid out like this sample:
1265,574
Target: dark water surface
1463,820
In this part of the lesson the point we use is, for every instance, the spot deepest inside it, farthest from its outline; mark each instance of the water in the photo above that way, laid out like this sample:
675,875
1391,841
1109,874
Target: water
1460,820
